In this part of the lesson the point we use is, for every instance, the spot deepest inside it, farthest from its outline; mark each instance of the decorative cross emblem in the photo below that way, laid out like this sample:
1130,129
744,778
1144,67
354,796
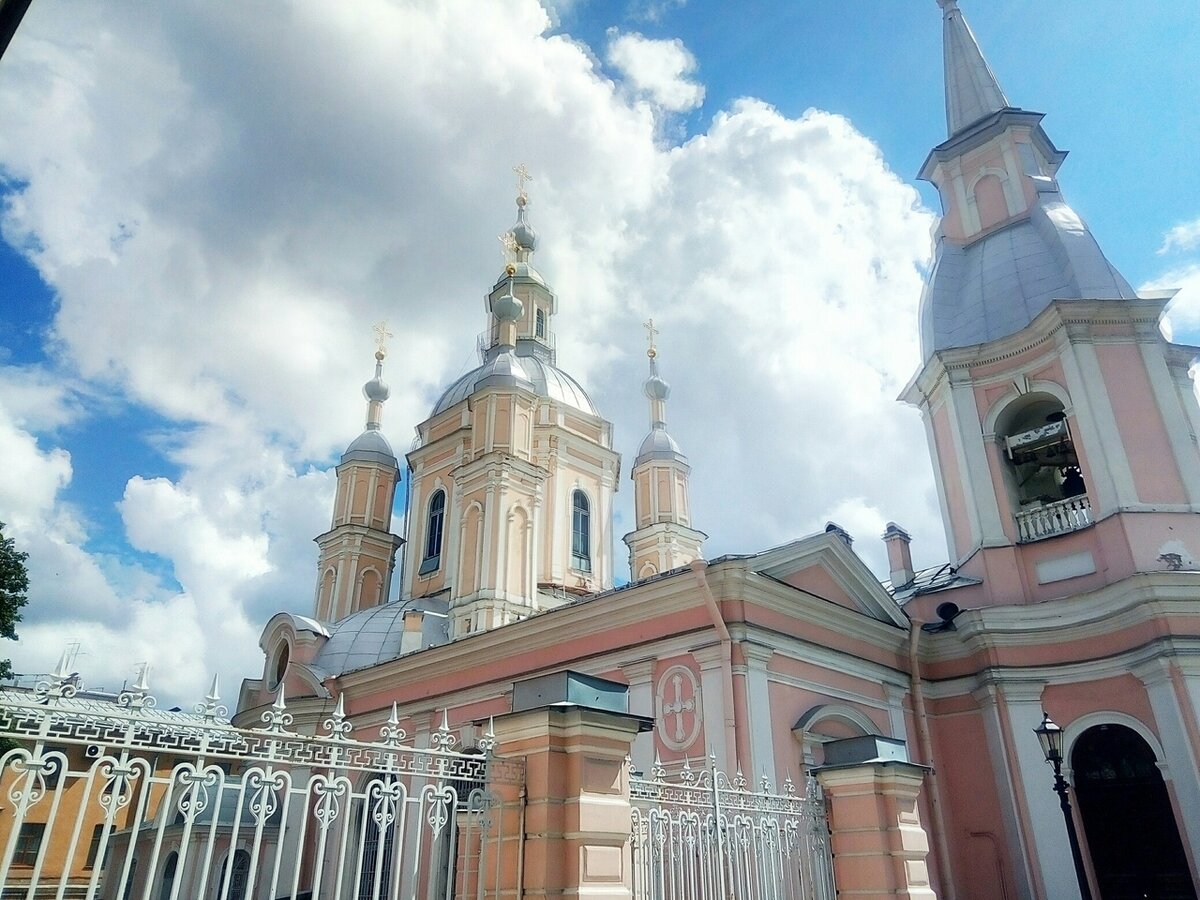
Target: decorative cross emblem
679,706
651,331
381,335
523,176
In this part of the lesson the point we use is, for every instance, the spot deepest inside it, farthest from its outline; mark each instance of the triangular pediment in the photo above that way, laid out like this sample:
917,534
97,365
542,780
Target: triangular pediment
824,565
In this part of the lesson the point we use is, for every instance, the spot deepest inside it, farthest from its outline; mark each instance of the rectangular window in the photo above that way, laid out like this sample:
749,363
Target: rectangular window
94,846
29,841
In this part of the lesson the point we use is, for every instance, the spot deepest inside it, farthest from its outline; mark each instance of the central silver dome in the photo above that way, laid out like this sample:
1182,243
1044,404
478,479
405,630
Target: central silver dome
544,379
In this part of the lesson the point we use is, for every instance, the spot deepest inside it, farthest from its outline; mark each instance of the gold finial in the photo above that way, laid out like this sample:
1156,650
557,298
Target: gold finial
523,176
651,331
381,336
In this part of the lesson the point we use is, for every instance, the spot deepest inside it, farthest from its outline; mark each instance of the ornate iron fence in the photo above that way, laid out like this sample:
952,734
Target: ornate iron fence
703,836
120,800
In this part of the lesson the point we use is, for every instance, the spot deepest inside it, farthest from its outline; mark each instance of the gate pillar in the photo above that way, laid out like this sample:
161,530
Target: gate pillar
577,813
879,847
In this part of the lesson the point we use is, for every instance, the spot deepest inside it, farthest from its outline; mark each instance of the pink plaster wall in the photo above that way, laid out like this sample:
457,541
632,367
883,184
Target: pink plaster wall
1155,473
979,853
816,580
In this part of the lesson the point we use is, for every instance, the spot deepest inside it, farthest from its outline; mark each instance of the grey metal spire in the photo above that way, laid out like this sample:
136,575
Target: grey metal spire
972,91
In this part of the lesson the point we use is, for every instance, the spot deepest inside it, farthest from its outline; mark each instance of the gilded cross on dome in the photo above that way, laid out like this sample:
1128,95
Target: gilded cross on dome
381,337
651,331
509,242
523,176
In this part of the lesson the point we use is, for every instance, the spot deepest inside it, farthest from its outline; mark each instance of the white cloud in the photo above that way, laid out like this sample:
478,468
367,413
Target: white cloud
653,10
1184,236
226,198
658,70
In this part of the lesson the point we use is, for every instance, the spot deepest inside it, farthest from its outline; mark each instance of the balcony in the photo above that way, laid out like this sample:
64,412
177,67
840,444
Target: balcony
1053,519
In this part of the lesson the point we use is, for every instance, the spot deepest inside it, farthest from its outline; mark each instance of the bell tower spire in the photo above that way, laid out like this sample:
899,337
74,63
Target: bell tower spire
358,553
972,91
664,538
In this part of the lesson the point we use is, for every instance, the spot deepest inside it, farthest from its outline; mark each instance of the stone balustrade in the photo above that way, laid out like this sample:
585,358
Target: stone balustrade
1060,517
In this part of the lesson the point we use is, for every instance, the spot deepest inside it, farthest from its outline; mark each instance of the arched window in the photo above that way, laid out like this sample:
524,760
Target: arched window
581,532
239,877
433,533
540,323
168,876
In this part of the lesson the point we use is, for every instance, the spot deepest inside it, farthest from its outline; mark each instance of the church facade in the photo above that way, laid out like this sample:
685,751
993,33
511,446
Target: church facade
1063,430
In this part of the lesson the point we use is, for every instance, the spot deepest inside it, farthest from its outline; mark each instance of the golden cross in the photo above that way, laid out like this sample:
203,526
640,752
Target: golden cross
651,331
509,241
523,176
381,335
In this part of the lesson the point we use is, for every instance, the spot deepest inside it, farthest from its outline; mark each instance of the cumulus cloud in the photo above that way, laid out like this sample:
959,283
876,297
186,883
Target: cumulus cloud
224,199
1184,236
658,70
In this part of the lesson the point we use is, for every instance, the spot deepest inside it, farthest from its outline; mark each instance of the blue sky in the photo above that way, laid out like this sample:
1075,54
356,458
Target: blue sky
202,224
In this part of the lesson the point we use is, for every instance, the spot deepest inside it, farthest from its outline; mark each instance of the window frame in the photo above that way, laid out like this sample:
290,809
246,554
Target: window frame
435,533
27,848
581,531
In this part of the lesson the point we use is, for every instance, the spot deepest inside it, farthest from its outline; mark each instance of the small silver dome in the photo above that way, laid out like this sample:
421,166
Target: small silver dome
508,308
524,233
376,390
658,444
656,388
370,446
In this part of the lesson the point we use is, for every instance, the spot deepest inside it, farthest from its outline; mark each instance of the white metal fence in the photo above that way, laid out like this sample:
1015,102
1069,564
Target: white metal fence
703,836
121,800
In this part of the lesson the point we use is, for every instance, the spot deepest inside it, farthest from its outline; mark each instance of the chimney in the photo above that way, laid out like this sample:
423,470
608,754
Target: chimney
414,631
899,555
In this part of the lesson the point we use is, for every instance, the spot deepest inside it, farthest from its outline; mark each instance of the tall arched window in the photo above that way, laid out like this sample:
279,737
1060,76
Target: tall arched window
581,532
540,323
168,876
238,878
433,533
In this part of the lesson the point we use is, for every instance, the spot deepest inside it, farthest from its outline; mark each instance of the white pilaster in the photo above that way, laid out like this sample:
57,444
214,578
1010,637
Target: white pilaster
1179,765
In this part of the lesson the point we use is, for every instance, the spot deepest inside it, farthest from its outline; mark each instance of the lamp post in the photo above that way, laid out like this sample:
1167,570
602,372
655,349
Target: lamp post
1050,736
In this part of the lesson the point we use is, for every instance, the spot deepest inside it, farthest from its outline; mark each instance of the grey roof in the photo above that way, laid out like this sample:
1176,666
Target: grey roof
658,444
370,446
372,636
929,581
533,373
972,91
996,285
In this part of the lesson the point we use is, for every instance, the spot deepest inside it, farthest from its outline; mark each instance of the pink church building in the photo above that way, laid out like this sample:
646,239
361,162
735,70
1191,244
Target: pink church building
1063,431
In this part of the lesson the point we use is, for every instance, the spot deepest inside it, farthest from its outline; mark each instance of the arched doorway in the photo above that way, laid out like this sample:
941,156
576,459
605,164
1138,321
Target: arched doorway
1132,836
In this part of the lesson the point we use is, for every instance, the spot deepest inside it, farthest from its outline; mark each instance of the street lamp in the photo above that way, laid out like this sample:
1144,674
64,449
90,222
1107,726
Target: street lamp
1050,736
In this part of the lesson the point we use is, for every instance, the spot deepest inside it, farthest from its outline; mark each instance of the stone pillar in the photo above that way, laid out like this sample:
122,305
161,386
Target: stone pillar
879,846
577,810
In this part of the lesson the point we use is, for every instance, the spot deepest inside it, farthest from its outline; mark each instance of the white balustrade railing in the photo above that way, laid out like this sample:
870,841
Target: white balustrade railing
1060,517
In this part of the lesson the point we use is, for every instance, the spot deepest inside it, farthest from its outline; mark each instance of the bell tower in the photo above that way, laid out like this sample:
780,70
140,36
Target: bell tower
1061,423
358,553
664,538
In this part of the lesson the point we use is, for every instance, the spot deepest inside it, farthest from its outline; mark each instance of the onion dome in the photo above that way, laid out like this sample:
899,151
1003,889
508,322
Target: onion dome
523,233
376,390
508,308
655,387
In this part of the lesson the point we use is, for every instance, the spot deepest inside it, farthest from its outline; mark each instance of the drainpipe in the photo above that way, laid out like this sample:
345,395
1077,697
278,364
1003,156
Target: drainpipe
698,569
926,748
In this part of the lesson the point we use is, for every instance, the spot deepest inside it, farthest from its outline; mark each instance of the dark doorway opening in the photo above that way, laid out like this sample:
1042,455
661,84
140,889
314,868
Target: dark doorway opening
1132,836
